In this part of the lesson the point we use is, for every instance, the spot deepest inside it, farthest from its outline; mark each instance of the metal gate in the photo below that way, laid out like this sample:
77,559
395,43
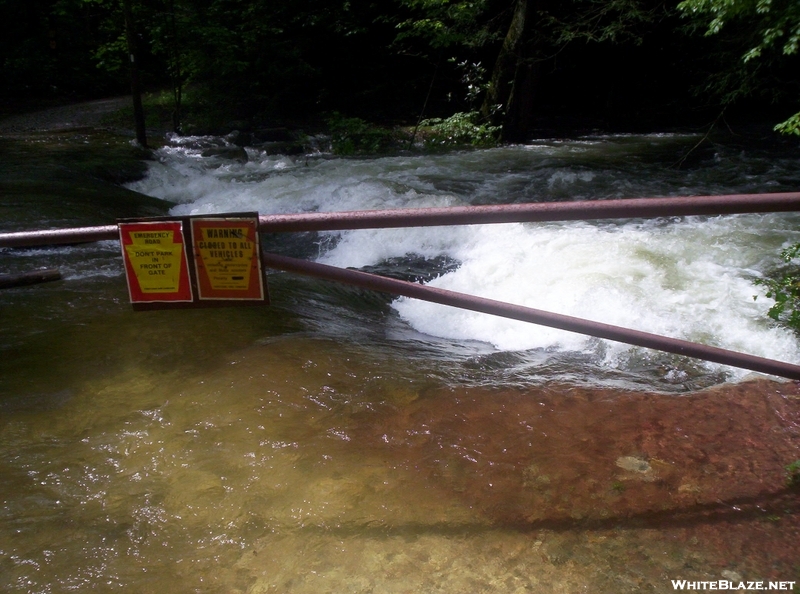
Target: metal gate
469,215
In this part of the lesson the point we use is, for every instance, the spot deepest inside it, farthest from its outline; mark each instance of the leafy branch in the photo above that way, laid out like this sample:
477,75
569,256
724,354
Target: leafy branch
785,290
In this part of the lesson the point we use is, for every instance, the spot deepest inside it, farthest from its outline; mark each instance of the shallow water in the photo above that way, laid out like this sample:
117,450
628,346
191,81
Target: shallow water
340,441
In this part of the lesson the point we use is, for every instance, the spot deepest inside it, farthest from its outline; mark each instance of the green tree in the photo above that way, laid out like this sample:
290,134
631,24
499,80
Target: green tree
521,40
541,32
46,49
765,34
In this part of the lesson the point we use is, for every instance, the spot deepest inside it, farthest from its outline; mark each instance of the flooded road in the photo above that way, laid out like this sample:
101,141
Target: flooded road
341,441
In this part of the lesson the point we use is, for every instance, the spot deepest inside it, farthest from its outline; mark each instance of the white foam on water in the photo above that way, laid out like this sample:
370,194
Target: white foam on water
676,280
79,262
689,278
280,184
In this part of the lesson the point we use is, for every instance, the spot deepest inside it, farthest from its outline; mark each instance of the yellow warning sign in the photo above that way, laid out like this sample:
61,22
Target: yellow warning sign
227,255
155,259
199,261
227,258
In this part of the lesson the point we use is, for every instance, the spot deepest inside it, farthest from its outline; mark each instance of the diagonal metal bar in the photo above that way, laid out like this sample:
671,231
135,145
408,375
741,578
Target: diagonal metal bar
535,316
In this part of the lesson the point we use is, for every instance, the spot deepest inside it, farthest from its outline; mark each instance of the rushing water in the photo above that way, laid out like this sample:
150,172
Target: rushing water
690,278
345,441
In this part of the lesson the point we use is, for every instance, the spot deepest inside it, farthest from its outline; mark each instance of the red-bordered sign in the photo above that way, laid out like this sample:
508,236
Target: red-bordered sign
197,261
156,262
227,258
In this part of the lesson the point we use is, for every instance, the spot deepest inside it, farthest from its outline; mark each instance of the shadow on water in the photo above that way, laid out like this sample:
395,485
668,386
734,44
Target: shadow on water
34,402
765,507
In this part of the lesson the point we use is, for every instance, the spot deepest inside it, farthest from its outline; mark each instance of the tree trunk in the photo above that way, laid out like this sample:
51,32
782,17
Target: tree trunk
175,70
500,86
136,90
512,88
518,122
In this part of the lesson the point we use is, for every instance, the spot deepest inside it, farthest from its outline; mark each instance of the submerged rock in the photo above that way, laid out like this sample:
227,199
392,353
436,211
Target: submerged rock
634,464
233,153
283,148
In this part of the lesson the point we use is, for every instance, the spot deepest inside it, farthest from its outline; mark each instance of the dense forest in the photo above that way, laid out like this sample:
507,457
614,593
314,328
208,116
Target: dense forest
520,66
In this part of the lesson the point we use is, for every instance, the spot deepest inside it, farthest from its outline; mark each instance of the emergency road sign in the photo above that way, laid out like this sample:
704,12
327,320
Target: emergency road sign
197,261
156,262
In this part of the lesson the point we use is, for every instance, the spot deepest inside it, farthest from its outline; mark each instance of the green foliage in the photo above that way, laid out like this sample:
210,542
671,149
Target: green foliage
354,136
766,32
601,21
463,128
473,76
351,136
776,23
785,290
790,126
793,474
446,23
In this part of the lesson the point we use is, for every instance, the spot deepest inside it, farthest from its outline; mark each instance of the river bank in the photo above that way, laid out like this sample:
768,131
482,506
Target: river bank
67,160
90,114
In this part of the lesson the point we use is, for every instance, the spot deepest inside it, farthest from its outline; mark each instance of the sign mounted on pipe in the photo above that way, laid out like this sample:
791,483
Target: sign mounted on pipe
156,265
217,261
199,261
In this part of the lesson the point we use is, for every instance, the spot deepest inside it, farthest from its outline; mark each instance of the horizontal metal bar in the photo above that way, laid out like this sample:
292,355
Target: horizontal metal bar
59,236
627,208
527,314
462,215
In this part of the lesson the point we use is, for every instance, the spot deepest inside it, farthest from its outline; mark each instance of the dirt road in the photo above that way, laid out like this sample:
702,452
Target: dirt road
89,114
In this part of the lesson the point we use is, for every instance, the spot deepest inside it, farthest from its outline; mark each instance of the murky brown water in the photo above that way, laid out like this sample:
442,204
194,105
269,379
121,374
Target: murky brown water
321,445
305,465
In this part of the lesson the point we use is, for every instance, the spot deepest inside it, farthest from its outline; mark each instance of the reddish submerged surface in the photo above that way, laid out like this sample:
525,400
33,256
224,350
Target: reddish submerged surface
572,467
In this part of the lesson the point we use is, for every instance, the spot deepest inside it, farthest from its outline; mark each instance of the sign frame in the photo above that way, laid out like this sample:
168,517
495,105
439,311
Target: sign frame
156,262
231,286
227,258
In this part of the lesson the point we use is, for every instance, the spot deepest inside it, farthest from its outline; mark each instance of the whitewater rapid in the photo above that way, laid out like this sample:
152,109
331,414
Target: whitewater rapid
684,277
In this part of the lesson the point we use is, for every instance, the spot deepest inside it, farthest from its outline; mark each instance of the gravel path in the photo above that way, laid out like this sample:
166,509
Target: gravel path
80,115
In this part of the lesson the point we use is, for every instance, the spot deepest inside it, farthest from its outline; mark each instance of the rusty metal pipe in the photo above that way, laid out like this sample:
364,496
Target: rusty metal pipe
59,236
628,208
535,316
463,215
